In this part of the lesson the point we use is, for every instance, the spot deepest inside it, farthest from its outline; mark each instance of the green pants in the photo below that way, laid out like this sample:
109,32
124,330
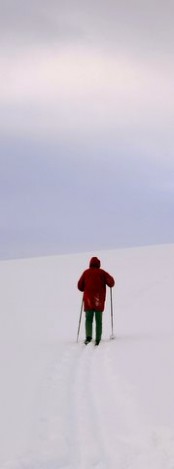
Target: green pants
89,322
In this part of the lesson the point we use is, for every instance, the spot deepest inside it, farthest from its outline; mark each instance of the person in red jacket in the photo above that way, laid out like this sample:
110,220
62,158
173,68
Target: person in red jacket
93,283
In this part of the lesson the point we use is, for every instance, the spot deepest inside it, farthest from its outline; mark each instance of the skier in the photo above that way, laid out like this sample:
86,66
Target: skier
93,283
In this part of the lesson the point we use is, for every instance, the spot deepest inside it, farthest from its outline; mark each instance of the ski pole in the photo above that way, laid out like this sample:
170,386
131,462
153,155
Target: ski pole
81,309
112,316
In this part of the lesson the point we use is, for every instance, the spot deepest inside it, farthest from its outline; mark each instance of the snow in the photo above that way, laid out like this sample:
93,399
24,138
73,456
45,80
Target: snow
67,405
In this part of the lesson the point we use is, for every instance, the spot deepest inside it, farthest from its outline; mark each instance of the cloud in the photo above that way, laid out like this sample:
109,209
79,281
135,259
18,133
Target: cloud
86,123
27,23
52,203
73,89
143,28
88,67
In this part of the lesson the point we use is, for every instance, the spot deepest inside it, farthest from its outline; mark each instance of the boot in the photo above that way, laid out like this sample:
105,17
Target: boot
87,340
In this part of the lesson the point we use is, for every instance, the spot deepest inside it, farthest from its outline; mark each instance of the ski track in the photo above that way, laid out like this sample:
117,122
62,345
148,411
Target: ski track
128,442
90,418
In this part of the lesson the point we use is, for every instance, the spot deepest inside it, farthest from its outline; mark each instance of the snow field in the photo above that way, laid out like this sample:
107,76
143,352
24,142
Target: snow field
67,405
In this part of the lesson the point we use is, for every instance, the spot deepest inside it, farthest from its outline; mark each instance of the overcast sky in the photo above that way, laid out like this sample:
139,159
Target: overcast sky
87,125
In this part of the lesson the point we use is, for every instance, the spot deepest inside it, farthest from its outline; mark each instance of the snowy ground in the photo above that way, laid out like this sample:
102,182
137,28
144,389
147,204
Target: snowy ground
65,405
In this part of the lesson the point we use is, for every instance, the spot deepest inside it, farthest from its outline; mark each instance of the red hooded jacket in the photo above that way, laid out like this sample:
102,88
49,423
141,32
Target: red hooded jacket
93,283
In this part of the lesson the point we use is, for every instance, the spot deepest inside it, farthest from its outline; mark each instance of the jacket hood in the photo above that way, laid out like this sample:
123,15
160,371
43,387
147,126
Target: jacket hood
94,262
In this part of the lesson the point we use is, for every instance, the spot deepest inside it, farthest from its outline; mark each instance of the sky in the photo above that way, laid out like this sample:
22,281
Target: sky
86,134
